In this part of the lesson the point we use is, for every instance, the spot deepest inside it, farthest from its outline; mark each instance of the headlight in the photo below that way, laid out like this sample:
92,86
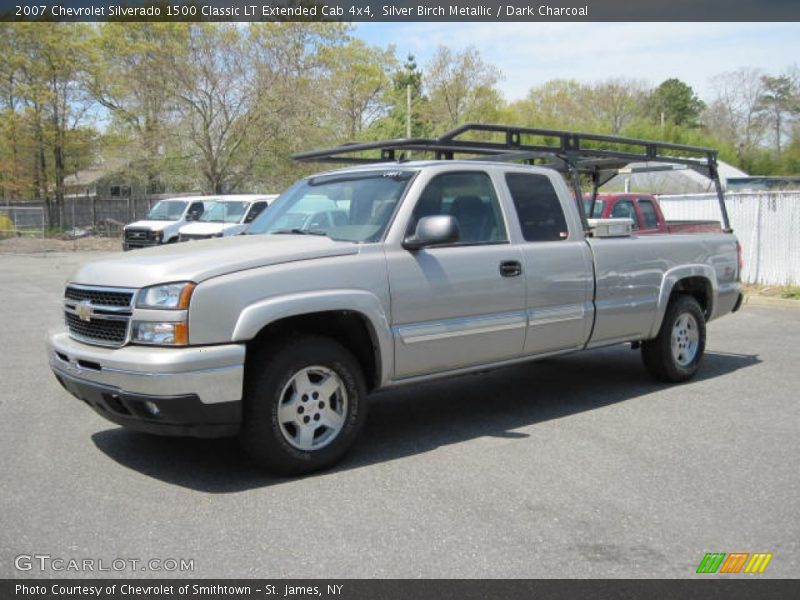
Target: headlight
170,295
154,332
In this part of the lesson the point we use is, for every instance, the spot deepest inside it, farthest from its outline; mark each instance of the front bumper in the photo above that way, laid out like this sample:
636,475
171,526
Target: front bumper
195,391
134,244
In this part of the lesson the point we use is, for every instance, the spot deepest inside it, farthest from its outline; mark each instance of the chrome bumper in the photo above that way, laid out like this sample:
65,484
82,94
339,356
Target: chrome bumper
214,374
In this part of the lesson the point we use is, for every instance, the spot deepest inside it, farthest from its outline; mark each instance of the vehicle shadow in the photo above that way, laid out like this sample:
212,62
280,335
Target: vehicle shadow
416,419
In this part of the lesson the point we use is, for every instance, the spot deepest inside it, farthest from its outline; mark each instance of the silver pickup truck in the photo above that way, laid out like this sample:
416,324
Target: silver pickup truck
436,268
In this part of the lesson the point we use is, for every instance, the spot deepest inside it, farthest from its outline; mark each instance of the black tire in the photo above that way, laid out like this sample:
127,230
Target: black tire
658,356
274,367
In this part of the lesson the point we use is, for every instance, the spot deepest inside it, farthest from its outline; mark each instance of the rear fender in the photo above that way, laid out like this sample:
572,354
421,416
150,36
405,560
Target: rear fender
671,278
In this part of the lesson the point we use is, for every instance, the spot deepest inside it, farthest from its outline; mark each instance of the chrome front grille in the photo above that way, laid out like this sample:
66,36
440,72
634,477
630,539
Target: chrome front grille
100,297
137,235
98,315
99,331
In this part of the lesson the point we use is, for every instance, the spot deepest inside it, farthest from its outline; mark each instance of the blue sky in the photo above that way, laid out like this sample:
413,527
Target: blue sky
529,54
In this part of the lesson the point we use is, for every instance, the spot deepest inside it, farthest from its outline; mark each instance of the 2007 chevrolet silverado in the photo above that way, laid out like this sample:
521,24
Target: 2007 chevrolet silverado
436,267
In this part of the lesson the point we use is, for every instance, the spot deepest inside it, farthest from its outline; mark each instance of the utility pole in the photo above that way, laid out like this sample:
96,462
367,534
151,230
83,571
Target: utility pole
408,111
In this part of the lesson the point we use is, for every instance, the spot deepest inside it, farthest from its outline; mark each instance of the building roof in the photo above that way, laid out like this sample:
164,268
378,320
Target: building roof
679,180
93,174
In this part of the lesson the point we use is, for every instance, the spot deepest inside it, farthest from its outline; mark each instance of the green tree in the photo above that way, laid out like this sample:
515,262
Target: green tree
131,74
290,67
675,102
12,170
556,104
52,62
357,81
406,105
778,103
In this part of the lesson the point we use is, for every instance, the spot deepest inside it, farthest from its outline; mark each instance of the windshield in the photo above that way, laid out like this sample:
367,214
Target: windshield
598,208
166,210
356,207
224,212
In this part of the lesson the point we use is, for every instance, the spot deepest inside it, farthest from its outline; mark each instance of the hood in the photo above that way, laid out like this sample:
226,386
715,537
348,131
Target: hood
204,259
206,228
151,225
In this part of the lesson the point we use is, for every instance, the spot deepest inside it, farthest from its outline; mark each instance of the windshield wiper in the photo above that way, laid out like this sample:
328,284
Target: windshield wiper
299,232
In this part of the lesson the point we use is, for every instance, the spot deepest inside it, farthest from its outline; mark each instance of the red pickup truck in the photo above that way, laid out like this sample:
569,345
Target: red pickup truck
646,214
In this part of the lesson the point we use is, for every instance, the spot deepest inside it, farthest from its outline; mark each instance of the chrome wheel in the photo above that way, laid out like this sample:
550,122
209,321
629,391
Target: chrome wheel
312,409
685,339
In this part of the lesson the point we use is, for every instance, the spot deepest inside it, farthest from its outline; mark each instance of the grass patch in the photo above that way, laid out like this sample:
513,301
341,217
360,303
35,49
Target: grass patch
793,293
788,292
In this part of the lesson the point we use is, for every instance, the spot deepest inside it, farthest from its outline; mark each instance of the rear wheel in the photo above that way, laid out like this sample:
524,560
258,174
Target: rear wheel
304,404
674,354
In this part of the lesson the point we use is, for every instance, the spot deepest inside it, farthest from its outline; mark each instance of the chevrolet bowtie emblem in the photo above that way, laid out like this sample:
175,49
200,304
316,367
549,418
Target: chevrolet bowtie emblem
84,310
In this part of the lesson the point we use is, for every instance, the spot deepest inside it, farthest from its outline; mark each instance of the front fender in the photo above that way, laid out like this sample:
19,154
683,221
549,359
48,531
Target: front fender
260,314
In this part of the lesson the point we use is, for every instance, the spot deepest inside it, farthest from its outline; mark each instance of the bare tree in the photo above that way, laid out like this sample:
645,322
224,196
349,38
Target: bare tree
460,87
735,114
615,102
220,104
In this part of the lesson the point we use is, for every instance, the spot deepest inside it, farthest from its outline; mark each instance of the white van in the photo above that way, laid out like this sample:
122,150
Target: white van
225,216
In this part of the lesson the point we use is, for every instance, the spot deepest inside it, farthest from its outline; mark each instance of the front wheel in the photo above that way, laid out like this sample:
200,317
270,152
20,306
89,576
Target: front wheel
304,404
674,354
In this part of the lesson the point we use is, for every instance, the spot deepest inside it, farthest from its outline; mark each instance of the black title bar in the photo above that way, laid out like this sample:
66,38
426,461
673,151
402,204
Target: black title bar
401,11
396,589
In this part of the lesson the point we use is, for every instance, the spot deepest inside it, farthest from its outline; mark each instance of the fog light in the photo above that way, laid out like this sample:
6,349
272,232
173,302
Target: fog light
154,332
152,408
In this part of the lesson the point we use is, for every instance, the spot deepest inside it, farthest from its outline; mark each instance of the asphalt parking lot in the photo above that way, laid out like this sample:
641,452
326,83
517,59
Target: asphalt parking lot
579,466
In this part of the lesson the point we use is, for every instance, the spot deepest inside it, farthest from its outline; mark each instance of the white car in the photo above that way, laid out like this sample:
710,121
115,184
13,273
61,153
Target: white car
226,216
163,222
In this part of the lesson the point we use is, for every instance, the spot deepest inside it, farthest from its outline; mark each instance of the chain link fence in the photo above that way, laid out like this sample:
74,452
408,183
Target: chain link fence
766,223
25,226
22,221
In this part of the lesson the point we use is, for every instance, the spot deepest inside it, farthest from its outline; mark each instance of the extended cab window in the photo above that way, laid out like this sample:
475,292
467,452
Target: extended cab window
469,197
538,207
624,209
648,214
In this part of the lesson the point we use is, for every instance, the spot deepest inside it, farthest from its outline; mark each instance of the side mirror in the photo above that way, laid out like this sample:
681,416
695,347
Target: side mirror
432,231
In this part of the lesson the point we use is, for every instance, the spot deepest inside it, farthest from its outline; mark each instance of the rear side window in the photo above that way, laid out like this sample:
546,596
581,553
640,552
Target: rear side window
624,209
538,207
648,214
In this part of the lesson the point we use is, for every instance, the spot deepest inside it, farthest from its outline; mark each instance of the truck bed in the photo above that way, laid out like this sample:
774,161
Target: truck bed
693,227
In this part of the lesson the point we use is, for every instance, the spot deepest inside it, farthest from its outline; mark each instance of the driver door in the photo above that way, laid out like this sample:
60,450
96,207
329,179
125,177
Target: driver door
457,305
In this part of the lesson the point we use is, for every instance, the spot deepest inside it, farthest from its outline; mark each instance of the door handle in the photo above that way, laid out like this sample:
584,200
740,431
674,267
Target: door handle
510,268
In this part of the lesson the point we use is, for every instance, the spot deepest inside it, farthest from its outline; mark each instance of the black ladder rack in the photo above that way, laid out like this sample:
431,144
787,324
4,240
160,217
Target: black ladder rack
599,157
